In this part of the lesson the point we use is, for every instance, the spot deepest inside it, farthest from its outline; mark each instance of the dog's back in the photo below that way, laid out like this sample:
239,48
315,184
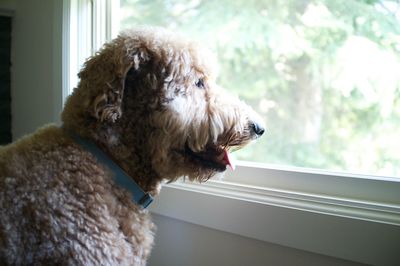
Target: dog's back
58,205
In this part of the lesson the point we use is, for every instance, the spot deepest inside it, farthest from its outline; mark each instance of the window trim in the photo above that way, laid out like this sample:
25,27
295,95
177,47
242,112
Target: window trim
262,202
305,202
364,232
317,203
355,187
87,25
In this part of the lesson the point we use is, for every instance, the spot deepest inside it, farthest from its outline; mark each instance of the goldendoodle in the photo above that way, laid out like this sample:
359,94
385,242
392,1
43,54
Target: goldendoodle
146,110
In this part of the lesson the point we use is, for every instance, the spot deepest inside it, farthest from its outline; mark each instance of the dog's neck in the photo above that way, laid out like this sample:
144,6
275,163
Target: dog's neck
121,178
131,157
133,160
137,167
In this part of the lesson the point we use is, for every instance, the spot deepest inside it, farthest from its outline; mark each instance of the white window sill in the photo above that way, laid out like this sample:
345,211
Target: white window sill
343,225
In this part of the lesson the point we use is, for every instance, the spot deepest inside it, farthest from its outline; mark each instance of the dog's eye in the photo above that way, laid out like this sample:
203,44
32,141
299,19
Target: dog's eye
200,83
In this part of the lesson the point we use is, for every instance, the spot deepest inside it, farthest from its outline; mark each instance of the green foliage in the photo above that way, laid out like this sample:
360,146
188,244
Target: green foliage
321,72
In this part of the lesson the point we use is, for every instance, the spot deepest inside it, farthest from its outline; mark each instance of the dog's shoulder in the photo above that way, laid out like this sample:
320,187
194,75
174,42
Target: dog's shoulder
49,186
30,149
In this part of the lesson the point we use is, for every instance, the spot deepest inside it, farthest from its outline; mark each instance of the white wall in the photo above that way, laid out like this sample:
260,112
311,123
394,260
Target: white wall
36,96
36,64
184,244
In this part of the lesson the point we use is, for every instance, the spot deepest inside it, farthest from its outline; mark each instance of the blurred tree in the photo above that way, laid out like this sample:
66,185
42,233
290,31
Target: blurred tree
322,73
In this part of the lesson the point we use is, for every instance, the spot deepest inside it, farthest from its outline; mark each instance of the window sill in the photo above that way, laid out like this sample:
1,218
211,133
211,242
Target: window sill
338,226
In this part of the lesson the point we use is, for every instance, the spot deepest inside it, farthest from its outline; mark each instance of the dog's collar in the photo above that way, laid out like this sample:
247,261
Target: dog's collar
120,177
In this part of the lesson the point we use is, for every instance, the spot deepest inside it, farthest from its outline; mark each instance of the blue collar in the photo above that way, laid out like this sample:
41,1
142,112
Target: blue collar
120,177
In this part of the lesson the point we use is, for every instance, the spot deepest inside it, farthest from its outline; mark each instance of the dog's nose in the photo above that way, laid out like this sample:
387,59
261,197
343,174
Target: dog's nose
257,128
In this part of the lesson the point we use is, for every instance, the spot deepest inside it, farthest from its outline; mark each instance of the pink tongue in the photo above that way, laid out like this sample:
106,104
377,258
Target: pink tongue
228,160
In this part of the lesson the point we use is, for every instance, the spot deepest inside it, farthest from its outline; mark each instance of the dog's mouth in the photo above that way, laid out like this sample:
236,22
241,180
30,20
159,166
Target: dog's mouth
213,157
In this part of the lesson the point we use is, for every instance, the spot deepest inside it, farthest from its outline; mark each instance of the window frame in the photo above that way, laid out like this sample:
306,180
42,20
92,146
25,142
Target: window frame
87,25
281,205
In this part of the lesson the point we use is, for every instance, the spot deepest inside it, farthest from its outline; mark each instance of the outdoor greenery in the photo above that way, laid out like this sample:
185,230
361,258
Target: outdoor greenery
324,74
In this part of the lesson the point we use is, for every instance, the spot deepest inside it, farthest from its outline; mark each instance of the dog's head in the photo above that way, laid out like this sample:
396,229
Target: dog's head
150,98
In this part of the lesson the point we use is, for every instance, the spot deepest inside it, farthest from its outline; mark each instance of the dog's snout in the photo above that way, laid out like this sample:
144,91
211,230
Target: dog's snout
257,128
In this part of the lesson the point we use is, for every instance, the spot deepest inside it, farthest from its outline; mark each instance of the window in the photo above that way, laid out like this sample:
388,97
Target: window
322,73
324,76
87,27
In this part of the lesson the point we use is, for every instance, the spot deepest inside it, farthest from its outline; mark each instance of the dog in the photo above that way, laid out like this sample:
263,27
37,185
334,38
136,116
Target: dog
147,110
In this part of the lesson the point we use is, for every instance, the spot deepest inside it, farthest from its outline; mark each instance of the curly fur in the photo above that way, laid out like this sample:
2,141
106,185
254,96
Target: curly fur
149,100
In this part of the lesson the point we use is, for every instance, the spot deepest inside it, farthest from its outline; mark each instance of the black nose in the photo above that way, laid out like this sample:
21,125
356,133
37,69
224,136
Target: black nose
257,128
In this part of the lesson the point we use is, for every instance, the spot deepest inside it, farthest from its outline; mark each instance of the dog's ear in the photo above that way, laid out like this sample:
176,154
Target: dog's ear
103,77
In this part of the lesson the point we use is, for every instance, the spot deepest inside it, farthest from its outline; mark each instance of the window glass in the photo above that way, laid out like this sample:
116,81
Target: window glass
323,74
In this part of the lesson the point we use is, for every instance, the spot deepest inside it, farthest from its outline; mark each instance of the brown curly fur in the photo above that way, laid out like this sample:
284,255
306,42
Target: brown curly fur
139,99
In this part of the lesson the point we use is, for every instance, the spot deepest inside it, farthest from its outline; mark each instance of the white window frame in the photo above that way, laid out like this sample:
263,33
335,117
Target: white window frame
87,25
353,217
